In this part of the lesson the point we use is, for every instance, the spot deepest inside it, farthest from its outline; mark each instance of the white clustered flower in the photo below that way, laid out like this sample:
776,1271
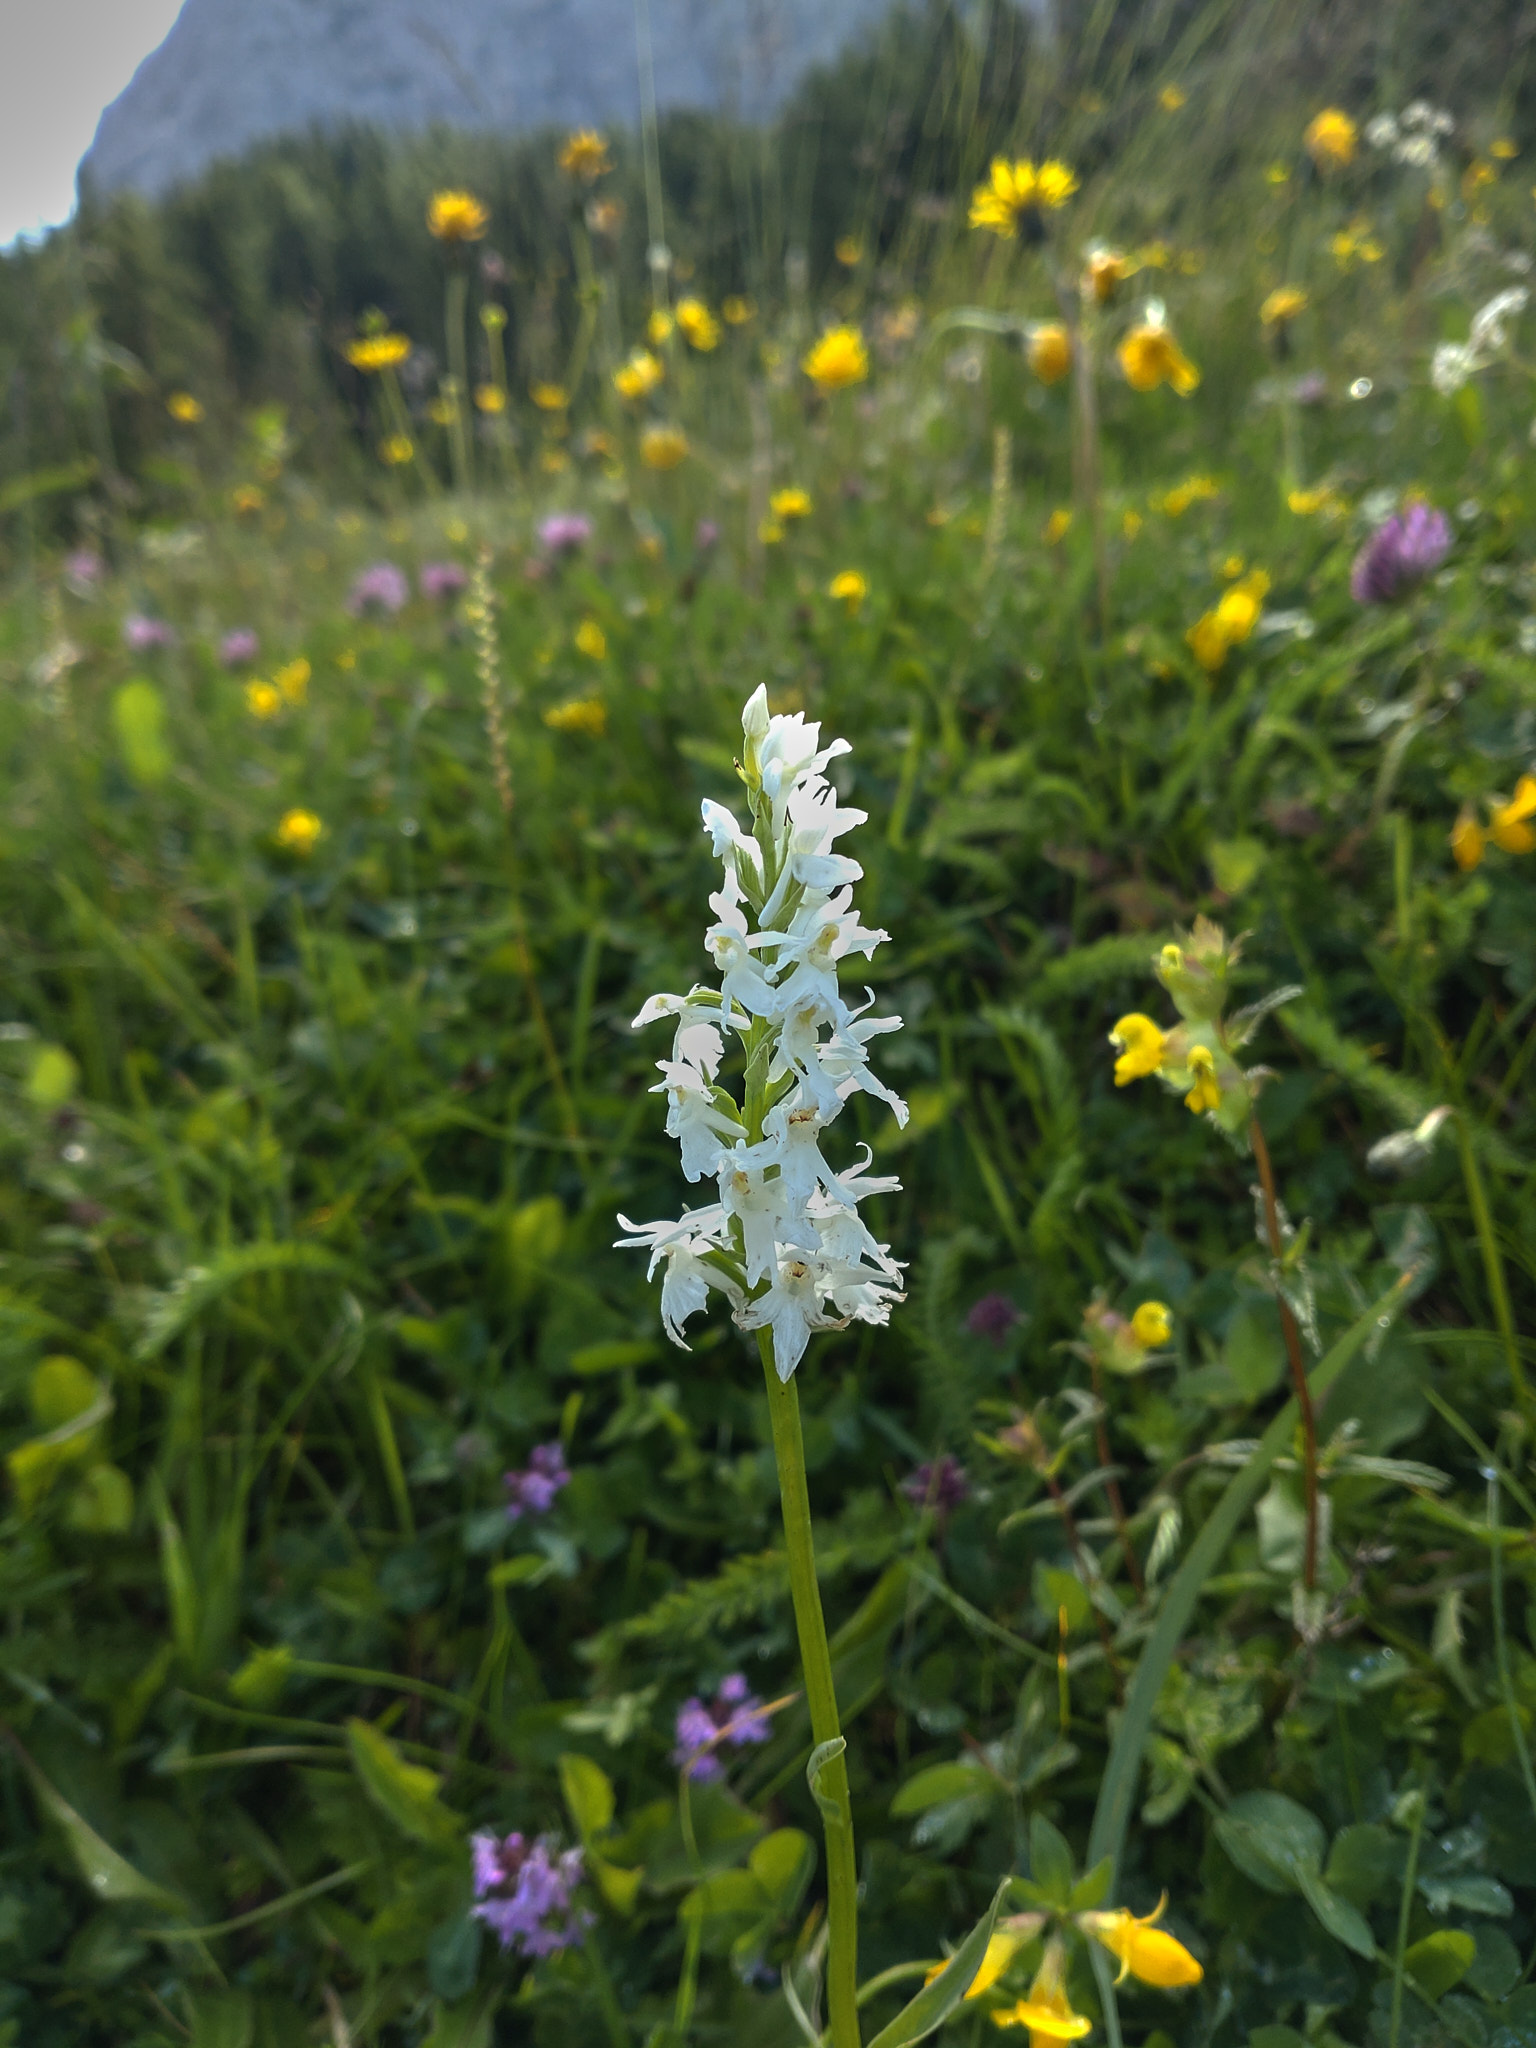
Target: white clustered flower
784,1243
1454,362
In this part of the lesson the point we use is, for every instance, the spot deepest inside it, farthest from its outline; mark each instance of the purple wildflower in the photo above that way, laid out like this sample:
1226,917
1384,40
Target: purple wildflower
239,647
83,570
735,1716
381,587
562,533
142,635
706,535
533,1491
992,1317
440,579
940,1484
523,1893
1400,554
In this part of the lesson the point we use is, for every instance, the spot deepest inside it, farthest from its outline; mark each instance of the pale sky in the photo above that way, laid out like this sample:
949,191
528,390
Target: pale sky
61,61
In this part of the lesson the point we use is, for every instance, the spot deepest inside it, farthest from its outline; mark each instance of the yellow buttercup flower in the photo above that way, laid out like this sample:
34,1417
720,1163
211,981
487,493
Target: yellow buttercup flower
591,640
1015,191
396,449
639,375
1057,527
1504,147
1141,1046
1171,98
697,325
1205,1092
1331,139
1143,1949
298,830
790,503
585,155
849,588
1150,356
262,700
1468,841
839,359
1104,271
663,447
490,399
658,327
1153,1324
1049,351
292,679
1507,826
1239,610
1047,2011
1322,499
183,407
371,353
549,397
580,714
1283,305
457,217
736,311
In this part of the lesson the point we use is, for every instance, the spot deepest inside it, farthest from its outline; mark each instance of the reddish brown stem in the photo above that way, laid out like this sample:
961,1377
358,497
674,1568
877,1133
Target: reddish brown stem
1112,1486
1292,1350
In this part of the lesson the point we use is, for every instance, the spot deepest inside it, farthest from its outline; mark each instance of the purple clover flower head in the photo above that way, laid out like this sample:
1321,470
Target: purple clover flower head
940,1484
992,1317
523,1892
238,647
1399,555
381,587
562,533
83,570
532,1492
143,635
439,580
735,1716
706,536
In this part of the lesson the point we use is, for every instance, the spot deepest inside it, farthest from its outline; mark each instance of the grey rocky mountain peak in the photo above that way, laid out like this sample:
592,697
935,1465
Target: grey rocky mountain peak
231,73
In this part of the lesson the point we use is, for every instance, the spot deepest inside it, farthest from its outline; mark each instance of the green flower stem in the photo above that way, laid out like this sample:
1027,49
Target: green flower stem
821,1697
1493,1265
1292,1349
458,375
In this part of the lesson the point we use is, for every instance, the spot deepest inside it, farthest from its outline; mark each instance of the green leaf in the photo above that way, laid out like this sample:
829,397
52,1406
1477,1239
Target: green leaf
1276,2037
936,2001
138,716
1440,1960
934,1784
588,1793
1343,1921
221,2019
1050,1859
466,2024
1235,863
102,1503
725,1907
782,1864
405,1793
1254,1350
60,1391
1366,1862
620,1888
1092,1889
453,1956
1271,1839
613,1356
1496,1970
112,1878
199,1287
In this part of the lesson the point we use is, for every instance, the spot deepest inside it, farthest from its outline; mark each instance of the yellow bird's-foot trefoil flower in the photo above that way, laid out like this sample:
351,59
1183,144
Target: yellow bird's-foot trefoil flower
839,359
1143,1949
1047,2011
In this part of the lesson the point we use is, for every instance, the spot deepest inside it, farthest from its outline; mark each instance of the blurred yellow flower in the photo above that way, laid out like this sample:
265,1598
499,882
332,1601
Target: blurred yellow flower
548,397
1504,147
849,588
1277,174
292,679
1154,256
396,449
443,412
658,327
1477,174
1143,1949
1234,565
697,325
1171,98
663,447
1141,1047
1019,189
837,360
298,830
1232,621
490,398
1468,840
585,155
1208,643
347,659
182,406
1507,826
262,700
1322,498
1153,1324
1150,356
1104,271
1049,351
1057,527
998,1954
247,498
790,503
493,318
770,533
1195,490
579,714
641,374
1046,2012
1355,243
848,250
1131,524
554,461
591,640
457,217
1331,139
1282,305
1204,1093
371,353
736,311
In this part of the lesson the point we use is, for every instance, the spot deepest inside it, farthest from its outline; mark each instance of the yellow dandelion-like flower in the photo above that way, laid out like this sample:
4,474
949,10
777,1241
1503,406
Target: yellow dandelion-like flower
580,714
1468,841
697,325
549,397
1015,191
1150,356
585,155
490,399
1153,1324
1331,139
184,408
1049,351
457,217
1204,1094
1193,491
297,830
663,447
849,251
790,503
1057,527
371,353
1504,147
396,450
837,360
263,700
1321,498
1141,1046
591,640
1477,174
1143,1949
1507,826
1240,607
849,589
1283,305
658,327
1171,98
1208,642
292,679
737,310
1104,272
639,375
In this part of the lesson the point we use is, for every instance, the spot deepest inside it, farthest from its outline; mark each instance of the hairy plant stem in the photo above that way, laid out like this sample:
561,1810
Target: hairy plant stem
1292,1350
821,1698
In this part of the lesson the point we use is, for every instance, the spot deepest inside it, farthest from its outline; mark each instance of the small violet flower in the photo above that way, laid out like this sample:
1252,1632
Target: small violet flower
533,1492
239,647
523,1893
562,533
992,1317
940,1484
1400,554
379,588
142,635
735,1716
438,580
83,570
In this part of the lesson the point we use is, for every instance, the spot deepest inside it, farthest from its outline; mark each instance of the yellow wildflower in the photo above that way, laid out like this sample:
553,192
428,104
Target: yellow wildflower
1171,98
298,830
1233,566
658,327
698,326
663,447
549,397
1049,351
1238,611
1016,190
1277,174
493,318
790,503
183,407
848,250
1504,147
457,217
591,640
1477,174
1046,2012
1283,305
490,398
1000,1952
1143,1949
1150,356
1205,1091
585,155
770,533
837,360
639,375
1506,822
580,714
1468,841
1331,139
1141,1046
247,498
1153,1324
1105,270
736,311
1208,642
443,412
1057,526
371,353
262,700
396,449
292,679
850,590
1321,499
1131,524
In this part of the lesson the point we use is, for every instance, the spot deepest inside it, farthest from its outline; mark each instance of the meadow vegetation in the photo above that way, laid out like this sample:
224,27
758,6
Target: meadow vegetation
1125,443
